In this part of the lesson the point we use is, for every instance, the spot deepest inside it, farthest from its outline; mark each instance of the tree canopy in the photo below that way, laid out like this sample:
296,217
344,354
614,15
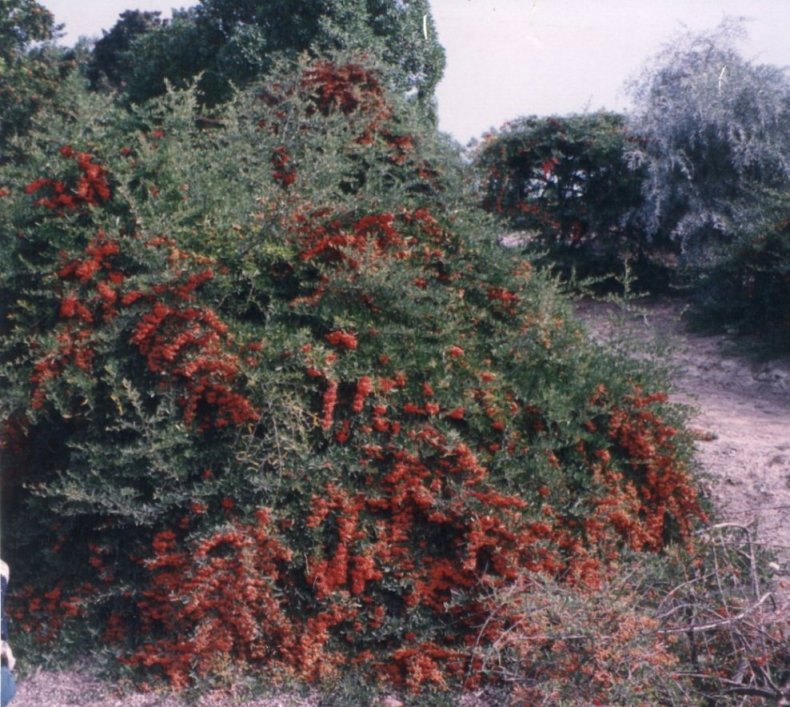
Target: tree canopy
23,22
234,42
28,73
714,130
111,58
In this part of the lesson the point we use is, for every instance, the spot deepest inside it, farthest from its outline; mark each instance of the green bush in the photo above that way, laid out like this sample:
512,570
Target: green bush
566,181
746,288
273,397
30,68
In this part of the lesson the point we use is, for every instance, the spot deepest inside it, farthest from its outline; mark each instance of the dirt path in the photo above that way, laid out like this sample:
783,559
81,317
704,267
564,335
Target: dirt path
742,414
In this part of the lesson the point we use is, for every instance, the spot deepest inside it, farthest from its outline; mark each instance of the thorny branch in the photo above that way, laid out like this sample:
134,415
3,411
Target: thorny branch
749,626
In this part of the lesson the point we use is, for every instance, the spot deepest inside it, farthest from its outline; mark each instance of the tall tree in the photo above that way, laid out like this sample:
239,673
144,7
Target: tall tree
23,22
111,59
176,51
236,41
27,75
714,129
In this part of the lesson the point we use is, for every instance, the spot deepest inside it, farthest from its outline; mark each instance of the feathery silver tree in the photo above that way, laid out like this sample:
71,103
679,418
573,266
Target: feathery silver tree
714,139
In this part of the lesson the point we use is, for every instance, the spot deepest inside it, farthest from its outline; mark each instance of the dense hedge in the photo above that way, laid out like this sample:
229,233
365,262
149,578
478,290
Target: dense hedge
567,182
273,397
747,287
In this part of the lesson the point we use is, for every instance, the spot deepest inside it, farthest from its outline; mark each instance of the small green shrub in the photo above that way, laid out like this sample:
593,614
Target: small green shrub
747,289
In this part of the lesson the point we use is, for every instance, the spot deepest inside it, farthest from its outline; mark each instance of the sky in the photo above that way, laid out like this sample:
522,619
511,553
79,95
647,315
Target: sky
510,58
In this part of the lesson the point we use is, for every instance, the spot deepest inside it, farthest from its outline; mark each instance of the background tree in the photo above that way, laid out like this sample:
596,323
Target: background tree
110,59
23,22
716,152
29,74
239,40
177,51
714,138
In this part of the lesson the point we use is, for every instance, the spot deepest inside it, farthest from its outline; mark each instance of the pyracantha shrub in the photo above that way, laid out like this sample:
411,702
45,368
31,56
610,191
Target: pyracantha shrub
566,181
301,423
558,645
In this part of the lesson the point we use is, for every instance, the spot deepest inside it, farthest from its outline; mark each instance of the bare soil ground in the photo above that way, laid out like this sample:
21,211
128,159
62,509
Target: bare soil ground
80,687
741,414
742,417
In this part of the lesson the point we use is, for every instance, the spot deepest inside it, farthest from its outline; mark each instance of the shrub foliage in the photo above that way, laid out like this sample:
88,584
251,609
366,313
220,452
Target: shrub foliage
566,181
272,397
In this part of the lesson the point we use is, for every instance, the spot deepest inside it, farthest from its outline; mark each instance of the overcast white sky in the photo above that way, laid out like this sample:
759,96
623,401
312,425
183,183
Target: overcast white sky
507,58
